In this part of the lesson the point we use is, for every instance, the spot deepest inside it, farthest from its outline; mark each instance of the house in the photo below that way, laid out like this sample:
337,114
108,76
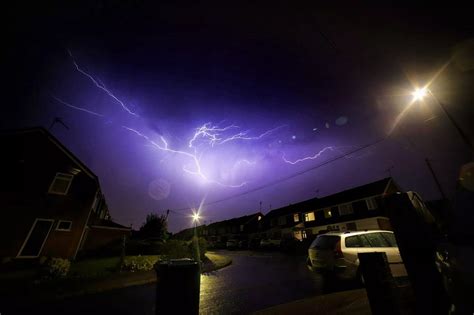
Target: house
236,228
286,222
353,209
358,208
222,231
52,204
188,233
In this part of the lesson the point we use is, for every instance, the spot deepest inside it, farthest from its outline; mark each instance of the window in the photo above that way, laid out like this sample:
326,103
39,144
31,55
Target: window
309,216
390,238
241,228
357,241
303,234
281,220
371,203
325,242
359,206
376,240
296,217
259,218
327,213
60,184
353,241
64,225
346,209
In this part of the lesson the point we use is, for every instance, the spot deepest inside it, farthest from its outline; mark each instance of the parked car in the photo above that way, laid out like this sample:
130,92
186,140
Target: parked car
232,244
338,252
270,243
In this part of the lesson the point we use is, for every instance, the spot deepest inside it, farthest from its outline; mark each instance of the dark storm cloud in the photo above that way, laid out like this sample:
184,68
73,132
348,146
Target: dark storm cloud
327,72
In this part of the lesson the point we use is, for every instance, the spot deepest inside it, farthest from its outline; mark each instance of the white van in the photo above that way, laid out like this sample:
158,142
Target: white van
338,252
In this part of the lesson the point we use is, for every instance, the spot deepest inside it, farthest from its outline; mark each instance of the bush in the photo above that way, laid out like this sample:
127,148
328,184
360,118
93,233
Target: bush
202,243
175,249
143,247
55,268
139,263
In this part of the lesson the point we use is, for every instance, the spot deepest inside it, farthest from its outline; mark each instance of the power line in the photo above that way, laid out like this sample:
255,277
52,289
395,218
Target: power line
287,177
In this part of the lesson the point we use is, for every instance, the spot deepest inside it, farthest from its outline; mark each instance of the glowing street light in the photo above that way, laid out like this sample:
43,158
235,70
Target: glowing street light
196,217
419,94
197,253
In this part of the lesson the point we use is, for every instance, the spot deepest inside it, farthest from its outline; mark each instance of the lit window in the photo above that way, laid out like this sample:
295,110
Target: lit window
259,218
61,184
309,216
346,209
371,203
296,217
303,234
327,213
64,226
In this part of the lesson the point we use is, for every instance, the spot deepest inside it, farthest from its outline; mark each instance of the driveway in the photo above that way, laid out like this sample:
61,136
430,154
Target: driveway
254,281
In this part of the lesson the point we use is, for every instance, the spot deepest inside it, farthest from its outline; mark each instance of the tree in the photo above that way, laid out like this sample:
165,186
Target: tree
155,226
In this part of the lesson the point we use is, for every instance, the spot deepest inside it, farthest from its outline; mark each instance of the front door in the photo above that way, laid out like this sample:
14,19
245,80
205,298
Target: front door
36,238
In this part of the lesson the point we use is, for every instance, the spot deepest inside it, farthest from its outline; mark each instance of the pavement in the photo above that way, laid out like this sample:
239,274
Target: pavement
77,287
345,302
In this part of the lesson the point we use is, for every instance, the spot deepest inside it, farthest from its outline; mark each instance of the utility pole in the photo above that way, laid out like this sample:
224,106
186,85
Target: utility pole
260,206
435,179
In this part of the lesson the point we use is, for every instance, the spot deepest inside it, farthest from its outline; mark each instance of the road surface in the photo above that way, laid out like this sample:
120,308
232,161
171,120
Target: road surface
254,281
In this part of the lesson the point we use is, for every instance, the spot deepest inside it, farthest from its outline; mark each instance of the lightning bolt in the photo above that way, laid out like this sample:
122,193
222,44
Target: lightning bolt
313,157
213,134
98,83
76,107
196,162
325,149
208,135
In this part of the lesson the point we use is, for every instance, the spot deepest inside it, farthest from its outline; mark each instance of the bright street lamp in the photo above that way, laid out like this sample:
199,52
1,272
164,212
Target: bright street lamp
418,95
196,217
197,253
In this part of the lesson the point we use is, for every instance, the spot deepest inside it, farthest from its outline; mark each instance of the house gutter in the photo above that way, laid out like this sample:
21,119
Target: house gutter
110,228
85,224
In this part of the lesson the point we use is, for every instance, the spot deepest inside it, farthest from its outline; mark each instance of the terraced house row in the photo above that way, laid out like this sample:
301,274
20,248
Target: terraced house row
358,208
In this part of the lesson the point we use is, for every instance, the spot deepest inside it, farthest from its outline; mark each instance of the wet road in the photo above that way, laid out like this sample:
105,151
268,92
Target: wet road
254,281
257,280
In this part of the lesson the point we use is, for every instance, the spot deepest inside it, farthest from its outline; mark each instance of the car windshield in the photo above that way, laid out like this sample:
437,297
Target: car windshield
325,242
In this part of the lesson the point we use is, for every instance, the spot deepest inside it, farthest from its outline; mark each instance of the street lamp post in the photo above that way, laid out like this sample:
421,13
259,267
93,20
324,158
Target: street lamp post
196,218
418,95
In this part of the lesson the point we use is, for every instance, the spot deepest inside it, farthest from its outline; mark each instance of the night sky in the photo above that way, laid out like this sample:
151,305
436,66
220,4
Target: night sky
276,83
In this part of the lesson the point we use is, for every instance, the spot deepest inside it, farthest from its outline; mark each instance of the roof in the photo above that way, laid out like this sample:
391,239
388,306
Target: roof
292,208
58,143
236,221
109,224
371,189
359,192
